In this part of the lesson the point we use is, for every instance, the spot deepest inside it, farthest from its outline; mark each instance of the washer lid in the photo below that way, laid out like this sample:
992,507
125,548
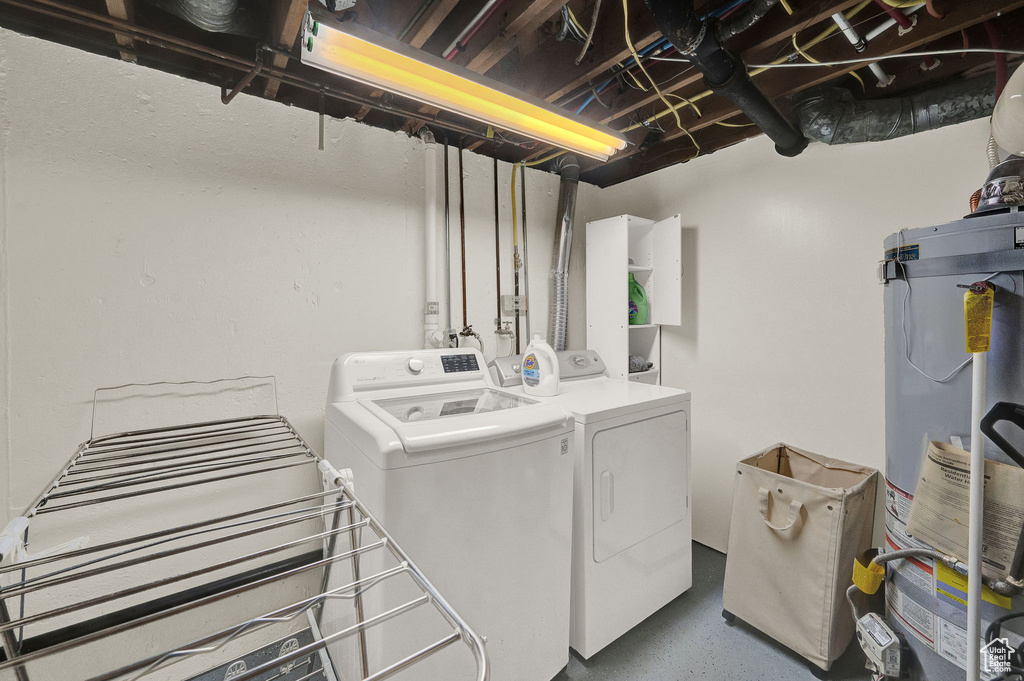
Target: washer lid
430,407
424,428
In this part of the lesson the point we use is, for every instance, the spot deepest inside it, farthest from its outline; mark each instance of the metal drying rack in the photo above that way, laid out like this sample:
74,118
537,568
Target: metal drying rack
137,467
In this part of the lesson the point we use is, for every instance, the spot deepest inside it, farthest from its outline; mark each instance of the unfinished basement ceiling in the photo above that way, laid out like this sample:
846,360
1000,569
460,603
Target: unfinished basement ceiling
523,43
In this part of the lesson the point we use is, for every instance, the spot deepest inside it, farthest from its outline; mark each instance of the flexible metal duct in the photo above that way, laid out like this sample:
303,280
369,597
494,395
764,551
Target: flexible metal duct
701,41
245,17
832,115
559,315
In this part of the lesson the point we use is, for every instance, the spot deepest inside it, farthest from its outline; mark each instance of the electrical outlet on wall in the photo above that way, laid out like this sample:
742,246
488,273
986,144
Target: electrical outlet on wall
510,304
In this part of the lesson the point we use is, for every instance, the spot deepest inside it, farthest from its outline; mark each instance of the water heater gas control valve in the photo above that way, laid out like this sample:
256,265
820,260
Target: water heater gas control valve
883,646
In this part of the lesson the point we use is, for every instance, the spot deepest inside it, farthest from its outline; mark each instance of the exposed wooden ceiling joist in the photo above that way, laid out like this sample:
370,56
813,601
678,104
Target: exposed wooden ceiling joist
548,72
286,21
779,31
517,47
497,38
431,19
124,10
420,32
782,82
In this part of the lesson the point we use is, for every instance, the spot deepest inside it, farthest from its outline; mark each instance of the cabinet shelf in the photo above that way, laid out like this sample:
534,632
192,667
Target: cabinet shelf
620,248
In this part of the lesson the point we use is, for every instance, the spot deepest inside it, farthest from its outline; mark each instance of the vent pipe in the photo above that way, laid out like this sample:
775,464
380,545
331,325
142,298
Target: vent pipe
832,115
724,73
238,17
558,322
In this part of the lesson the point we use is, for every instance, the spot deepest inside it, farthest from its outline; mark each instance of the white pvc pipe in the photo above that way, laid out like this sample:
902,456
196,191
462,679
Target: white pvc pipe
849,31
469,27
977,510
884,79
431,307
889,23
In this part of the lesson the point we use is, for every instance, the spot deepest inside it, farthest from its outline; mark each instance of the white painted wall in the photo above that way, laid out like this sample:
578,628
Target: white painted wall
782,334
152,233
5,412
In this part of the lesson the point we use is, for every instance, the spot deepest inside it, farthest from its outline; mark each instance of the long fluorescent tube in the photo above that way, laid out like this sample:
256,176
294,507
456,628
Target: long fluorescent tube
356,52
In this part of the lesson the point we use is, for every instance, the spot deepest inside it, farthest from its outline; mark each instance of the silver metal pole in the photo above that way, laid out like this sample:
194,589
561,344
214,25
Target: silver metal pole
184,607
162,533
526,254
10,644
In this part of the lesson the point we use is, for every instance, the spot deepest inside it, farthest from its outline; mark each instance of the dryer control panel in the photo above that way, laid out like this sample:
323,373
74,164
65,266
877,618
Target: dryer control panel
362,372
572,365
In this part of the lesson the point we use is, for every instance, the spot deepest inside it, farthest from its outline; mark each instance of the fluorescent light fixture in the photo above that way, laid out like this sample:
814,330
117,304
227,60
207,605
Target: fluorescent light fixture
356,52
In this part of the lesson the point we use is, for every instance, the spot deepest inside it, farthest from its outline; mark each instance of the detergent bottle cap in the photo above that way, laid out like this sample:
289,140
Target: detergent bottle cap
538,337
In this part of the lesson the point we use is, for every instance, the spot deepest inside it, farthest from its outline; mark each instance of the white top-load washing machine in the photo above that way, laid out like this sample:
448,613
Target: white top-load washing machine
631,501
475,483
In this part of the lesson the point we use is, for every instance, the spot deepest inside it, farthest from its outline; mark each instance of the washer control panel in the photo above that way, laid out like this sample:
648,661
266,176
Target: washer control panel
364,371
453,364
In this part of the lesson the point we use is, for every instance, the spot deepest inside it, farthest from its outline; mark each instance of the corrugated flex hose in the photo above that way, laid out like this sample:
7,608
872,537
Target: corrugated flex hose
993,152
558,317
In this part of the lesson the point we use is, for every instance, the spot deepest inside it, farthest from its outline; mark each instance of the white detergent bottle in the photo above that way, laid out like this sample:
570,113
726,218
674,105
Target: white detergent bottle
540,369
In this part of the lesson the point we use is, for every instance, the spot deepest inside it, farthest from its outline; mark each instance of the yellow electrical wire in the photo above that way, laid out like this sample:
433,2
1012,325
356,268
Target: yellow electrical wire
733,125
901,4
632,77
852,12
636,58
684,99
576,21
811,59
785,6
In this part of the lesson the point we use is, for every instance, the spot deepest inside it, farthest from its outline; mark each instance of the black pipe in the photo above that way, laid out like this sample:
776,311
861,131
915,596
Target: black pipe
724,72
751,14
73,631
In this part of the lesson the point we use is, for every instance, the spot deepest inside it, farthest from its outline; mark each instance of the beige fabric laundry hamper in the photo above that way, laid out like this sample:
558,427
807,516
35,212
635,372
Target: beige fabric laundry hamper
798,522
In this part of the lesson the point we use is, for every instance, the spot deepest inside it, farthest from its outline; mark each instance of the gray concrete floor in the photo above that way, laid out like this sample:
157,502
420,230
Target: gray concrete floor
688,639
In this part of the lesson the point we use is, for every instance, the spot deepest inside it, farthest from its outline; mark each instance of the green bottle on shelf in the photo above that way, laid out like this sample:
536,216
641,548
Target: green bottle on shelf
638,311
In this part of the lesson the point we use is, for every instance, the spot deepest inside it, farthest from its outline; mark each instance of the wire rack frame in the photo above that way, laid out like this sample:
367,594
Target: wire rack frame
138,463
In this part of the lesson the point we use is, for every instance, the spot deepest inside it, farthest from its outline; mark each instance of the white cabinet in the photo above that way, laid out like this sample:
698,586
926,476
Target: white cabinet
650,251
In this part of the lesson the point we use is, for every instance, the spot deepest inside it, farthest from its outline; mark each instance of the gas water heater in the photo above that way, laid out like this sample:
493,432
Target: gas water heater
928,399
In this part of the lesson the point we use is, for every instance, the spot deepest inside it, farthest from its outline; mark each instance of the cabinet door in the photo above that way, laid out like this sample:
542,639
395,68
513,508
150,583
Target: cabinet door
667,307
608,292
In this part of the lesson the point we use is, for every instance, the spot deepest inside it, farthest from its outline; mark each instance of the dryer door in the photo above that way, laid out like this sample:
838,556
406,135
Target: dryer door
640,479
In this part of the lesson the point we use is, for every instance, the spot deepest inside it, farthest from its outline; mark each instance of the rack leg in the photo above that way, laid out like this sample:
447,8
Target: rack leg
10,643
359,598
354,540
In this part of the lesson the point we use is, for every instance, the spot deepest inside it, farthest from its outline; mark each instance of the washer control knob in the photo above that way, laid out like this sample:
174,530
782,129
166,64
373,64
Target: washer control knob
414,365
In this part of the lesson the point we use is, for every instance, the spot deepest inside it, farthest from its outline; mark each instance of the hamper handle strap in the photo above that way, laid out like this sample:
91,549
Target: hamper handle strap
764,497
